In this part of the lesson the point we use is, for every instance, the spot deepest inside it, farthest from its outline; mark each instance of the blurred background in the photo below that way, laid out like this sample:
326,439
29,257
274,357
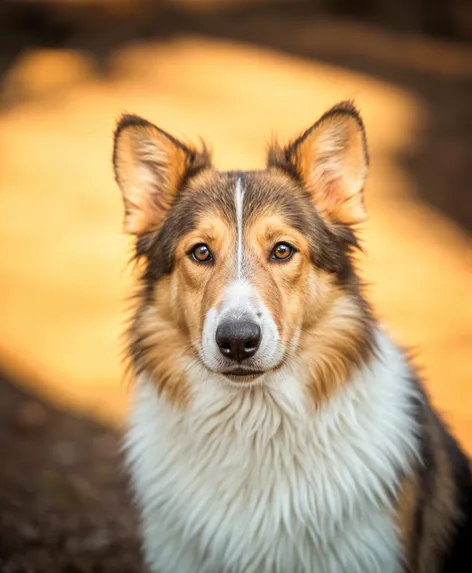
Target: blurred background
233,72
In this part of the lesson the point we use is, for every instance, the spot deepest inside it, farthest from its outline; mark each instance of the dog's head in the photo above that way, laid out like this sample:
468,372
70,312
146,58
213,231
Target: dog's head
246,272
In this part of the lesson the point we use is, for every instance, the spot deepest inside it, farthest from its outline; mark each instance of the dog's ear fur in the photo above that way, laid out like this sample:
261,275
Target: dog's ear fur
150,167
331,160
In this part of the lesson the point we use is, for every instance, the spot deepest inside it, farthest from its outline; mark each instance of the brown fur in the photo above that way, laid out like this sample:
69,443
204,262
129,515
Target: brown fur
333,326
428,512
440,510
174,200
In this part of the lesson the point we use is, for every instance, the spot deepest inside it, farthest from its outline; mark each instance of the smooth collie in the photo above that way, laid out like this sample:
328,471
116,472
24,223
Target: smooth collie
275,426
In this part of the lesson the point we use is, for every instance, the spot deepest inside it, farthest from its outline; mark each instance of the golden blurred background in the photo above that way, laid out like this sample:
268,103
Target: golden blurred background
233,72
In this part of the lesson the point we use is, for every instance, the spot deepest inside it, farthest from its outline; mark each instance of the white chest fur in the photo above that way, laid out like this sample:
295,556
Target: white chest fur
253,482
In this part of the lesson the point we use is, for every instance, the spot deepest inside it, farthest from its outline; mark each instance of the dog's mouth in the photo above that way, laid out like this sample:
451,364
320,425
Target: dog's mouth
243,375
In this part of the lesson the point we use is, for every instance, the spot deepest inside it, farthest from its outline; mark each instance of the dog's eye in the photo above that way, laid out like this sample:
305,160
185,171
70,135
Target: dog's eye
282,252
201,253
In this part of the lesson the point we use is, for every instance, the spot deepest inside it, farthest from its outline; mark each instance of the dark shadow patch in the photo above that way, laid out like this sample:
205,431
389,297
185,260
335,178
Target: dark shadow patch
64,498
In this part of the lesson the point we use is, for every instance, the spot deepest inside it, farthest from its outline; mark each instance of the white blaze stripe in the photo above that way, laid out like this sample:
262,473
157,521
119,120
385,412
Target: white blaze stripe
238,199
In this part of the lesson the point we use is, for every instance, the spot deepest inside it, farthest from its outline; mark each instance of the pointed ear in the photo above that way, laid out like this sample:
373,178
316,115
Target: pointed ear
150,167
331,160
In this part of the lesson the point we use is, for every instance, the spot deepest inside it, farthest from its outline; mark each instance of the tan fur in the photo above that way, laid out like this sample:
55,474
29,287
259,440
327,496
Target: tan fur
166,350
298,296
331,160
303,301
150,167
200,287
407,504
281,285
321,324
333,340
324,325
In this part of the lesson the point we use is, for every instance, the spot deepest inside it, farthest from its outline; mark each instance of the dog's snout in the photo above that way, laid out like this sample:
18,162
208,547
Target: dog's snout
238,339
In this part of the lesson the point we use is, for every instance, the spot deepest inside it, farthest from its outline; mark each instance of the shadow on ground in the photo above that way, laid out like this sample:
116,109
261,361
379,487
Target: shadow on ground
64,505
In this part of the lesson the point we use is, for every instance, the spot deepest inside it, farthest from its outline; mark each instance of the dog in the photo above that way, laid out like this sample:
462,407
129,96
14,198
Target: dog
275,425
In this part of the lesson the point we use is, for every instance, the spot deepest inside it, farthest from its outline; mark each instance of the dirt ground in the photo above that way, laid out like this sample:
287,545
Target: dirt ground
64,504
233,78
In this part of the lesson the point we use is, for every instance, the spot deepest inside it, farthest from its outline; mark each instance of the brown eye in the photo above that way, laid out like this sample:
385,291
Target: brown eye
201,253
282,252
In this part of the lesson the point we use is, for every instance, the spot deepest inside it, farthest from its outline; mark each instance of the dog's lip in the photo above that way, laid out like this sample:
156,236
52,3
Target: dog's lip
243,374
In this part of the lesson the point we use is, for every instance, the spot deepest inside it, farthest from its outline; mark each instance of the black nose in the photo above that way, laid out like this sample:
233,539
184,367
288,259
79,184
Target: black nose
238,339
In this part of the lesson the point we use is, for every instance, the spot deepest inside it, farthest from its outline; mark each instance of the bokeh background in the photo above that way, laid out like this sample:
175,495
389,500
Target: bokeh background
233,72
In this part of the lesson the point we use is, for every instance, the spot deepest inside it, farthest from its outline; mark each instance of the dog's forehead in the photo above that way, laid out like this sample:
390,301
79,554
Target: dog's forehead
255,193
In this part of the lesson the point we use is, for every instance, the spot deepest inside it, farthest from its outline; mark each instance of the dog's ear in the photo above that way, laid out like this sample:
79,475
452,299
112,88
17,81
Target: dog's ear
331,161
150,168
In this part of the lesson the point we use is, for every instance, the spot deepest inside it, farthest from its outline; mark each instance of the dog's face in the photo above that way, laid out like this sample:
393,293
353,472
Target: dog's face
245,272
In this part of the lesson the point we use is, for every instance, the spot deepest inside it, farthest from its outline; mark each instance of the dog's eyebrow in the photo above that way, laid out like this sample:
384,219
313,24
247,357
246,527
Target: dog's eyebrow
273,232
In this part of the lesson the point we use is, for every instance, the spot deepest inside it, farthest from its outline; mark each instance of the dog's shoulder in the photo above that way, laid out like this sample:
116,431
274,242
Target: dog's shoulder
441,522
458,557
